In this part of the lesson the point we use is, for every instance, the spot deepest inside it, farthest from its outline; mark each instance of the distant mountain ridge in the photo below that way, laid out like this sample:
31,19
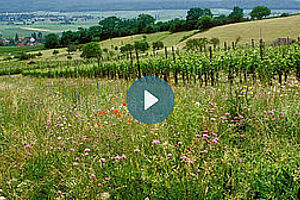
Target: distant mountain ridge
119,5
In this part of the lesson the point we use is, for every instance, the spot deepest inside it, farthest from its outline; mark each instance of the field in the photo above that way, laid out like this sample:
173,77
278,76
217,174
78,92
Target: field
269,30
233,134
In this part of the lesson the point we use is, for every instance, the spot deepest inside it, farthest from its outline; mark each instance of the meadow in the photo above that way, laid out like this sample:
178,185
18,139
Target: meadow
234,132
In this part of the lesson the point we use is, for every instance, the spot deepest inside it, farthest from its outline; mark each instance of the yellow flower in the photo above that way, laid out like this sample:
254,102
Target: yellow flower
243,91
249,88
251,92
259,85
156,134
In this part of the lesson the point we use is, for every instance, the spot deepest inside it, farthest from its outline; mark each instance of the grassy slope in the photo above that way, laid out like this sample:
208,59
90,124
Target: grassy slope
270,29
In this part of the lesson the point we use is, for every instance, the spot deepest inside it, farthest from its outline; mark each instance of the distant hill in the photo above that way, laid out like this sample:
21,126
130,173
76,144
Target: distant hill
118,5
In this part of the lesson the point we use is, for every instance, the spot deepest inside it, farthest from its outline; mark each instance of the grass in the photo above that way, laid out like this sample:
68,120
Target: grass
269,30
57,142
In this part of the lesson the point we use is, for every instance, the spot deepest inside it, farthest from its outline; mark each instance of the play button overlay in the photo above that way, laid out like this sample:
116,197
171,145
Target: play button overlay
150,100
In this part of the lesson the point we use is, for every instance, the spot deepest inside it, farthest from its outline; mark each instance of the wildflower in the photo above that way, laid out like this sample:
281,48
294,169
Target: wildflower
27,146
180,143
95,97
103,160
86,154
107,179
205,136
117,157
204,151
214,134
72,149
197,135
156,142
169,155
212,103
213,119
124,156
75,164
87,150
128,121
119,115
137,150
93,175
227,114
59,192
105,196
29,154
184,158
224,118
225,147
99,125
240,160
124,104
205,131
77,159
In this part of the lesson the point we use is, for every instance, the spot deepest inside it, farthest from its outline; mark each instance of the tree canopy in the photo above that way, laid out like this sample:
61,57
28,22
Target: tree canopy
260,12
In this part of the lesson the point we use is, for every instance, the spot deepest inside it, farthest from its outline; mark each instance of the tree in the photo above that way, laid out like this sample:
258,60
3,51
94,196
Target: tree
157,45
193,16
237,14
144,21
52,41
260,12
205,22
126,48
141,46
17,38
33,35
92,50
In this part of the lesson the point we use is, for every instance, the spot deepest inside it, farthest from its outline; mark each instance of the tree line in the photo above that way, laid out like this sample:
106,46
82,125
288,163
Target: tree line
111,27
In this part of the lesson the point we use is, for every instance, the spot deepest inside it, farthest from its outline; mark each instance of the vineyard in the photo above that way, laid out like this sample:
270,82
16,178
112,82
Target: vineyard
267,64
66,133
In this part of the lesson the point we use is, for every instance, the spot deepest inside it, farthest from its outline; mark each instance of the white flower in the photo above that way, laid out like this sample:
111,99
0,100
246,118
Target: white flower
2,198
105,195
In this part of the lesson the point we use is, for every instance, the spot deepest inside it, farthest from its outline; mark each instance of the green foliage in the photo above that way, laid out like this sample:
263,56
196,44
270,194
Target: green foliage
91,50
52,41
197,44
126,48
55,52
141,46
158,45
205,22
259,12
237,14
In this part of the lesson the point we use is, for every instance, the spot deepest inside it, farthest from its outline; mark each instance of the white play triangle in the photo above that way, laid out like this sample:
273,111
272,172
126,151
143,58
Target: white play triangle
149,100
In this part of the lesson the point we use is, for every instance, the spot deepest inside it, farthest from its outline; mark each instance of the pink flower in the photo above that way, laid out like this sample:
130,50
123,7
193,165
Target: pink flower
212,103
205,135
240,160
213,119
204,151
180,143
103,160
87,150
225,147
227,114
93,175
75,164
59,192
169,155
118,157
124,156
205,131
214,134
197,135
223,118
77,159
183,158
72,149
107,179
266,119
156,142
86,154
27,146
137,150
29,154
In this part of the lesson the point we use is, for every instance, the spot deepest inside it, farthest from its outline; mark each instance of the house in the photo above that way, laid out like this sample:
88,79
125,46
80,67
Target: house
283,41
28,41
4,42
